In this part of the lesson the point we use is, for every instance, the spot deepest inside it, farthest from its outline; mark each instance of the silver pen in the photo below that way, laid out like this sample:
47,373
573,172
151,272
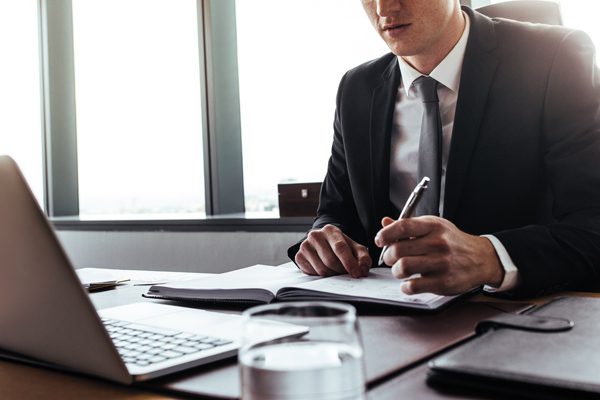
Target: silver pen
409,207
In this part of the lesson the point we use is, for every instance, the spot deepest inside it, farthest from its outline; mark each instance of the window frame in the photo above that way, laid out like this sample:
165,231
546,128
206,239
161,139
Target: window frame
59,142
221,134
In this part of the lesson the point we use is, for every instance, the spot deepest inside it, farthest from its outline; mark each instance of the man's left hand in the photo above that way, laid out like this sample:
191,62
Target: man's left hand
448,260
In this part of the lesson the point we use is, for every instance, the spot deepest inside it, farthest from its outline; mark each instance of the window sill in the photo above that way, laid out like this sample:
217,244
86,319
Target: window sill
248,222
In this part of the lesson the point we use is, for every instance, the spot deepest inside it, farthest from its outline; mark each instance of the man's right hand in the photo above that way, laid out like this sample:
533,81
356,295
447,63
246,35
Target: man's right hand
328,251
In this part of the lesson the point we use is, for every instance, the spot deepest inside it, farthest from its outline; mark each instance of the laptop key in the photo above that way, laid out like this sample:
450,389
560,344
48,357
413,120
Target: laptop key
153,329
185,349
144,349
156,359
142,363
209,339
184,335
131,353
157,343
203,346
170,354
221,342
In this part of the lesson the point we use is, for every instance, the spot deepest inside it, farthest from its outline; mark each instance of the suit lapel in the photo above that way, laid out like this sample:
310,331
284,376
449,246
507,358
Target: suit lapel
478,70
381,112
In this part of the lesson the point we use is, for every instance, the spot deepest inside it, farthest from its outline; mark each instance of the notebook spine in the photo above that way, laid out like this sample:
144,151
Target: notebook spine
222,301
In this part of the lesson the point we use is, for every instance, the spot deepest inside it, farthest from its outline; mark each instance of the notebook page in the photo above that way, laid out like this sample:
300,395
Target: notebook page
255,277
380,284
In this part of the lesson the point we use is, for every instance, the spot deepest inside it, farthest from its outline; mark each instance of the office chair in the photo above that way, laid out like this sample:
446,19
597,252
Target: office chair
537,11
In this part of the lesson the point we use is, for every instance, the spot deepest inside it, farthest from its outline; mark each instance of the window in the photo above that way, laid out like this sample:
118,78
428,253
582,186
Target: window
139,109
579,14
291,57
20,119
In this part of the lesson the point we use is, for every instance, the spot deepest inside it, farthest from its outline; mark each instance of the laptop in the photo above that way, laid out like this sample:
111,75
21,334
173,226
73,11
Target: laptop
47,317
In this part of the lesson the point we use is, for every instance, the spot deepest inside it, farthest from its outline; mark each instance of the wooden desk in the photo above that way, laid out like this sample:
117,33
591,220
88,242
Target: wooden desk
396,346
23,382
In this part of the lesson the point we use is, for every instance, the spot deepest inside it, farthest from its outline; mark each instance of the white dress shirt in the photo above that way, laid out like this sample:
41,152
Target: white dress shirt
406,130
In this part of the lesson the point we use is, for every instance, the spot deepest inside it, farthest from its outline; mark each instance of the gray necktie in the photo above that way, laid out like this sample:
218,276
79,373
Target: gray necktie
430,146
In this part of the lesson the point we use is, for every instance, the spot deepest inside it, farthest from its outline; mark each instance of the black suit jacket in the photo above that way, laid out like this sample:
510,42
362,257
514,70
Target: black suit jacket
524,158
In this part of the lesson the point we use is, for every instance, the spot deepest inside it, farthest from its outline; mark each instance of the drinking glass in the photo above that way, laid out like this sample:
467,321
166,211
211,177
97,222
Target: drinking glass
322,362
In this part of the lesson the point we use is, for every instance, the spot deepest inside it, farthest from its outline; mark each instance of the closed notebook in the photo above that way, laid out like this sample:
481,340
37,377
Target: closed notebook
262,284
530,360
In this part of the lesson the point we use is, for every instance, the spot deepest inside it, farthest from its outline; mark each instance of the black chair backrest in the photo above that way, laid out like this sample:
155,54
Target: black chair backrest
537,11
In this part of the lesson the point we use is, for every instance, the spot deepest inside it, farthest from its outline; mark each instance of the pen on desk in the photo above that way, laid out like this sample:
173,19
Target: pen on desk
409,207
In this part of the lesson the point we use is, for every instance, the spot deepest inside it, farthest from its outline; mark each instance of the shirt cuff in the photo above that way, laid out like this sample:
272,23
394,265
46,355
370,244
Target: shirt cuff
511,273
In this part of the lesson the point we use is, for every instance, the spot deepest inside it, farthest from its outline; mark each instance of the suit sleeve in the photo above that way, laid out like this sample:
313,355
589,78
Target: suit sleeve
336,203
565,254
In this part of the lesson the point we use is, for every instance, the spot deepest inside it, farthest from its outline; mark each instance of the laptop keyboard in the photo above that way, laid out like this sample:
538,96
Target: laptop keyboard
144,345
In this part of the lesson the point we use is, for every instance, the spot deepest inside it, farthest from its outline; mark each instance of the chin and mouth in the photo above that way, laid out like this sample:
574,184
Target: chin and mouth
395,29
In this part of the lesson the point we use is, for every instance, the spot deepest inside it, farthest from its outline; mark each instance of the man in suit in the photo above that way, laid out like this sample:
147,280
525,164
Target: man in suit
514,204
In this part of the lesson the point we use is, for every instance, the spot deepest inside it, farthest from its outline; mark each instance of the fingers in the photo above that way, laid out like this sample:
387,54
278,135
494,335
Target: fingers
432,273
425,275
361,253
429,244
337,252
310,263
424,265
328,251
445,273
304,264
387,221
406,229
426,284
437,284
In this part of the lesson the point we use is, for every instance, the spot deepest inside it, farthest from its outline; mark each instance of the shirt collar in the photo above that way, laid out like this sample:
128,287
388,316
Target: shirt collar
447,71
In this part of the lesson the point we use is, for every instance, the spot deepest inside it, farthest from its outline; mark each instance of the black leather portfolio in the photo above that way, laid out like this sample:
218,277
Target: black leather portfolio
552,352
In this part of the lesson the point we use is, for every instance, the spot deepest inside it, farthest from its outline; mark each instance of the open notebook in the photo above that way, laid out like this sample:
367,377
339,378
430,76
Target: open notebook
261,284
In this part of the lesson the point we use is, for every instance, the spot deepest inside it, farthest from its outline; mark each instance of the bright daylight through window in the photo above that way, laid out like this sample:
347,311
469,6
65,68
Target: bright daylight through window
291,56
139,119
20,119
